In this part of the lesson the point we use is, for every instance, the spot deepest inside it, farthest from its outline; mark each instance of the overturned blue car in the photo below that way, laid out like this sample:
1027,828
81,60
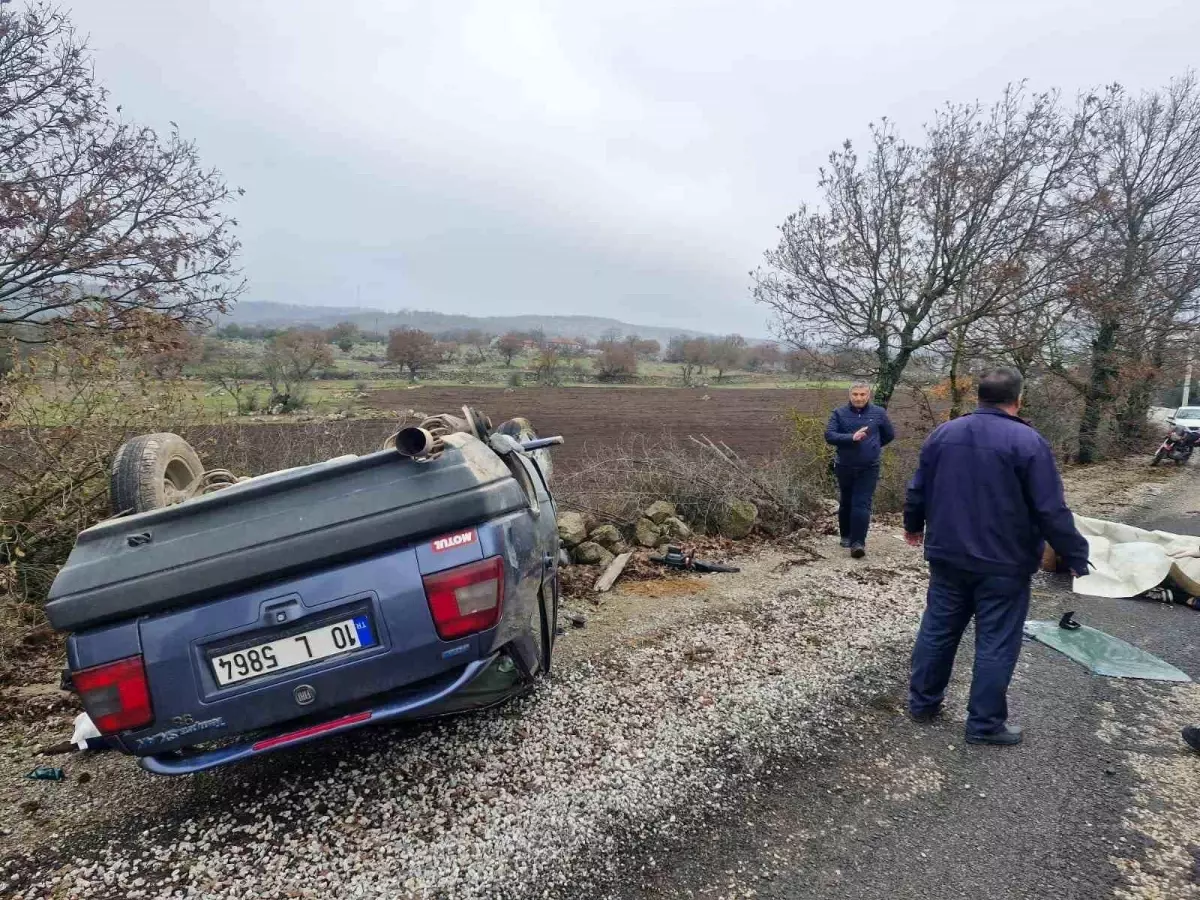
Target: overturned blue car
215,619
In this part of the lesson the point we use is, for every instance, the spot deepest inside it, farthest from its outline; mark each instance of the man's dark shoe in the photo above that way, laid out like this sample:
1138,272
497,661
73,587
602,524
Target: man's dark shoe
925,716
1191,737
1005,737
845,542
858,551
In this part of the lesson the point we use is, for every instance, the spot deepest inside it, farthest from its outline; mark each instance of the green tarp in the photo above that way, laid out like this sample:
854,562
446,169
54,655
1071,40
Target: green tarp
1102,653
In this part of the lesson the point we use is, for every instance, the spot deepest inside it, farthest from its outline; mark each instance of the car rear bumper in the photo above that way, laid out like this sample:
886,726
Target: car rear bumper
185,763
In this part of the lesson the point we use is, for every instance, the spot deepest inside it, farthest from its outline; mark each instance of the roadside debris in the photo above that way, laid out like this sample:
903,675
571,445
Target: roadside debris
1128,561
47,773
577,620
1067,621
85,737
612,573
676,558
1101,653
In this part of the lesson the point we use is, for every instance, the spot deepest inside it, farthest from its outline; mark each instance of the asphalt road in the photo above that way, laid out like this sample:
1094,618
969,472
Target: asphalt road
899,810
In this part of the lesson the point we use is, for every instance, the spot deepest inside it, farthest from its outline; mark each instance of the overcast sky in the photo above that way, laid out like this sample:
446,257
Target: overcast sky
629,158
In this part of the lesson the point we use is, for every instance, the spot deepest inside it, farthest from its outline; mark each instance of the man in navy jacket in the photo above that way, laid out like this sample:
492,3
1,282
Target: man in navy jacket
986,496
859,430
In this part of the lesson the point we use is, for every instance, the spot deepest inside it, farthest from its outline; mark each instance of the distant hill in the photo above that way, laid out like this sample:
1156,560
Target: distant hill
286,314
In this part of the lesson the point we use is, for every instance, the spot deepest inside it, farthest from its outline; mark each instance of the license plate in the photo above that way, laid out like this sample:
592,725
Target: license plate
287,653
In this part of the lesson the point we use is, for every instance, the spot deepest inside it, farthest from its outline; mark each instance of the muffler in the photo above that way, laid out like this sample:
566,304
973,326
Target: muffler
416,442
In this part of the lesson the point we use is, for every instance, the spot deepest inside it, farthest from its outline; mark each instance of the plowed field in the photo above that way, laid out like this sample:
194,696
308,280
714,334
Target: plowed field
753,422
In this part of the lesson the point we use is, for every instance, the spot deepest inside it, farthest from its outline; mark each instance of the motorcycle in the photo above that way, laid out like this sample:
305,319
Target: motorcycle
1177,446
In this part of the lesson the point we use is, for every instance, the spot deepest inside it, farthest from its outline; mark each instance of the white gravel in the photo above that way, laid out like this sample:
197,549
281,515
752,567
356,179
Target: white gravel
539,798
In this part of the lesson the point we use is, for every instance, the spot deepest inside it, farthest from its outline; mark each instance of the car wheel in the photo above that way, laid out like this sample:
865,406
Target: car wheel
152,471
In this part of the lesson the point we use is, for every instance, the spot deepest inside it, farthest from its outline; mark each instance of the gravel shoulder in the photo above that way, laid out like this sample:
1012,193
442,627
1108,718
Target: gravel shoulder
680,707
1099,801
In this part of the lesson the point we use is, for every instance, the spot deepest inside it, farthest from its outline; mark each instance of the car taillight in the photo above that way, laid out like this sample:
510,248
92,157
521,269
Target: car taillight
115,695
466,599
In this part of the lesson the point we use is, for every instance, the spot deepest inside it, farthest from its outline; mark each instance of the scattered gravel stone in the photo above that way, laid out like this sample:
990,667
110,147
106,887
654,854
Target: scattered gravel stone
518,801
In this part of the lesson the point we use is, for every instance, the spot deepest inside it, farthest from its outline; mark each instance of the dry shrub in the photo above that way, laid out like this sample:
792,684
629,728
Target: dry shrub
57,438
896,470
616,483
257,448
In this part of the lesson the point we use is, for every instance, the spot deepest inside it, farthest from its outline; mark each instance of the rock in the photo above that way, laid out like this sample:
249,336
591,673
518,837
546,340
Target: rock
739,518
577,620
646,533
608,537
564,558
658,511
674,529
572,528
590,553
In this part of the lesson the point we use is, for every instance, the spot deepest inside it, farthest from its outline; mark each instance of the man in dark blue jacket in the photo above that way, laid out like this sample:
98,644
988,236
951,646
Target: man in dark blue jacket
859,430
986,497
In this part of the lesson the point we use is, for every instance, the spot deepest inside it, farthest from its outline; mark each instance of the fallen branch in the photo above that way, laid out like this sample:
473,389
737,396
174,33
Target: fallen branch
612,573
730,458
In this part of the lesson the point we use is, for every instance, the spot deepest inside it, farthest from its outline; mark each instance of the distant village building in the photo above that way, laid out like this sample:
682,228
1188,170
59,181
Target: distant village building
563,345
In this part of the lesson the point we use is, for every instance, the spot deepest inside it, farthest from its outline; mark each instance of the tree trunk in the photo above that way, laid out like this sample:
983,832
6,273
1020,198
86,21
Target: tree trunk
1132,421
956,391
889,378
1098,393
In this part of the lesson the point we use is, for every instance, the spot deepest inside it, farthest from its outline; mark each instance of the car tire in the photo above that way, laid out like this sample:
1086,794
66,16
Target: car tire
152,471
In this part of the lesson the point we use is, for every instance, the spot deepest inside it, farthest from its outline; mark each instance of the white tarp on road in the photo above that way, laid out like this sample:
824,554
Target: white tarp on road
1128,561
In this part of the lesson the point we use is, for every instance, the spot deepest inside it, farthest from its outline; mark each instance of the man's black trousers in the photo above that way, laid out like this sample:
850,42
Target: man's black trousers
856,485
999,605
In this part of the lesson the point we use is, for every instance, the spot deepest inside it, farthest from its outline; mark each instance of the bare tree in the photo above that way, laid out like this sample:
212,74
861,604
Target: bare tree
104,222
693,355
509,346
237,376
413,349
344,335
172,354
617,361
727,353
1140,187
291,360
476,342
547,365
882,265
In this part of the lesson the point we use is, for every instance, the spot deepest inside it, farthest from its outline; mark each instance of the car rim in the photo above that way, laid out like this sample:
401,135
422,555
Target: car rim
177,478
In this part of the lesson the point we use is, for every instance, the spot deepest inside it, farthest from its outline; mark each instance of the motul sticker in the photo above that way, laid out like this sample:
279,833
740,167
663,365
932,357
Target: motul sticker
454,541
